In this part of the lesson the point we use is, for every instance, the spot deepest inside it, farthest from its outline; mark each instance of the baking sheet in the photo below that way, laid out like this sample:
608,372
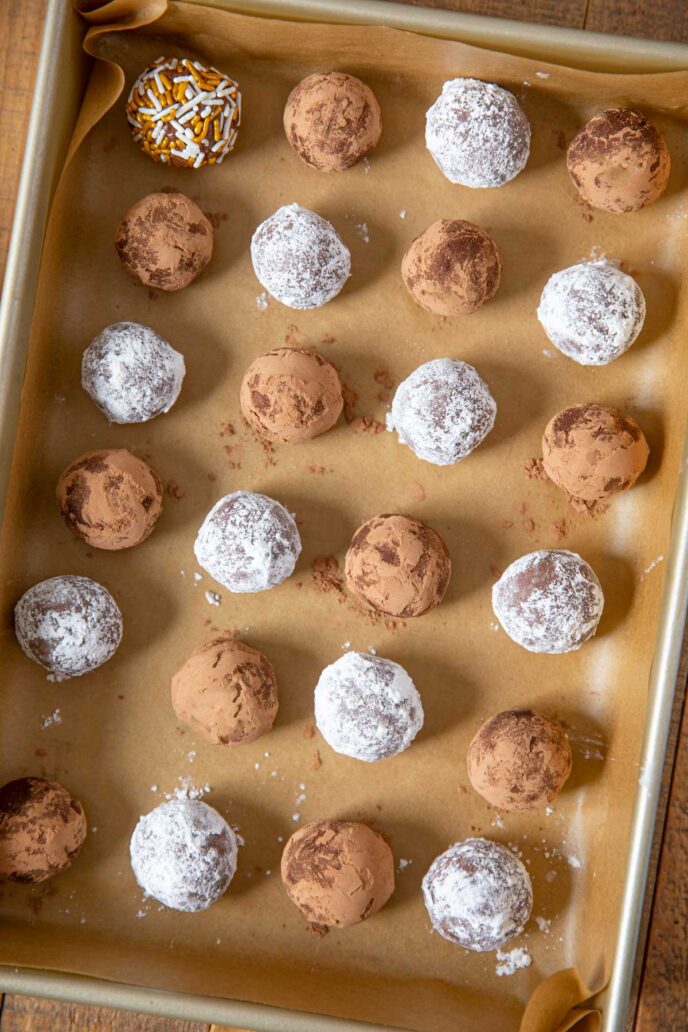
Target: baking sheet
111,750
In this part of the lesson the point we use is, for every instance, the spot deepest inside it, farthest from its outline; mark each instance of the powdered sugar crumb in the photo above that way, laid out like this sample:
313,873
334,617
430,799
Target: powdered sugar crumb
51,719
213,598
651,567
511,961
403,213
262,301
362,230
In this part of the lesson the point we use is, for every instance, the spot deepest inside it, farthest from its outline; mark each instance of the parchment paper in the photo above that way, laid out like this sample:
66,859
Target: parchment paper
115,742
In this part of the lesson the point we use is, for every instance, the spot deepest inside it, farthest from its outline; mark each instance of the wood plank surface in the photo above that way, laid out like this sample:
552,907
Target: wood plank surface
663,1001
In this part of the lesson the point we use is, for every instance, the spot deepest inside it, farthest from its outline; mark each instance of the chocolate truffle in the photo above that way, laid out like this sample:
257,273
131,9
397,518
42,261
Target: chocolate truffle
248,542
452,268
397,566
442,411
184,113
291,395
619,161
70,625
593,451
131,373
592,312
165,240
299,257
337,872
42,829
110,499
548,601
367,707
519,760
184,854
478,894
227,691
332,120
477,133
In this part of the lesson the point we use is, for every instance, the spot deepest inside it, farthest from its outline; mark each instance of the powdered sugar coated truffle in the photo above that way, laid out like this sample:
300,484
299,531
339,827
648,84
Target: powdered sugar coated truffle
442,411
184,854
299,257
549,601
70,625
367,707
477,133
131,373
592,312
478,894
248,542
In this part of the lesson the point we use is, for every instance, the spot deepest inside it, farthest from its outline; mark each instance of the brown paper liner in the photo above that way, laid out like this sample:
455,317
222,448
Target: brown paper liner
554,1005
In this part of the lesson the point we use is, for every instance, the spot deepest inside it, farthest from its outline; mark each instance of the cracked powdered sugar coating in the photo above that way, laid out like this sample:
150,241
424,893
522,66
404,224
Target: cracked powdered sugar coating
70,625
442,411
184,854
592,312
131,373
248,542
549,601
477,133
478,894
299,257
367,707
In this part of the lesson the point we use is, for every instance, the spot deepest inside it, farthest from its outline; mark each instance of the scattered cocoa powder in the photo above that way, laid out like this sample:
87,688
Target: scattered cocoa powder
216,217
366,425
528,525
534,469
316,762
174,490
507,524
309,729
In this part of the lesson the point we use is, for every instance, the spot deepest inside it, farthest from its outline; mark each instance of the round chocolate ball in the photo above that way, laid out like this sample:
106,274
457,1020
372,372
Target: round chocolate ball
227,691
332,120
442,411
165,240
452,268
184,854
592,312
131,373
519,760
338,873
478,894
477,133
291,395
593,451
184,113
42,829
367,707
248,542
299,257
69,625
619,161
110,499
548,601
397,566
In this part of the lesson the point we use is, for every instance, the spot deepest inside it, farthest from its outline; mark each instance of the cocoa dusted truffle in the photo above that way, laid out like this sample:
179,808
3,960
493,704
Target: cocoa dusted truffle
478,894
332,120
442,411
42,829
592,312
593,451
337,872
548,601
519,760
452,268
70,625
619,161
110,499
227,691
477,133
397,566
290,395
165,240
184,854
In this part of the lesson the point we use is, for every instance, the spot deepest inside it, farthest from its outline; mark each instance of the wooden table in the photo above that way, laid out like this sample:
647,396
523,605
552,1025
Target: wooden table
663,999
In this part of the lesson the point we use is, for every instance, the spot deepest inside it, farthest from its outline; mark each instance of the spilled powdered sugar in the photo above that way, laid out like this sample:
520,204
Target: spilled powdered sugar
592,312
299,257
367,707
477,133
131,373
248,542
442,411
511,961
